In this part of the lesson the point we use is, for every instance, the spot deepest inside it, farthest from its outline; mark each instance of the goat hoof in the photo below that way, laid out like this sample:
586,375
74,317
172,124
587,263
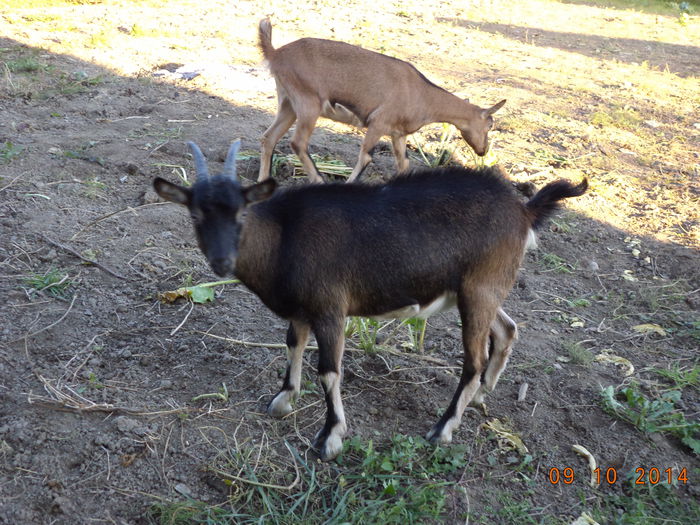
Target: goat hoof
329,444
478,400
437,436
331,447
280,406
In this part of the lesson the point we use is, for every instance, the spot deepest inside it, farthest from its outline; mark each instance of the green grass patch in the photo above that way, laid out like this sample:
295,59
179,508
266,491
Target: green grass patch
553,263
365,330
578,354
682,377
398,484
25,64
652,414
54,283
648,503
619,117
8,151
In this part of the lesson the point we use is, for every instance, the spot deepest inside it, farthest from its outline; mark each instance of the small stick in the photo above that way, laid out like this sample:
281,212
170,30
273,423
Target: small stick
184,320
70,307
94,263
248,343
105,217
12,182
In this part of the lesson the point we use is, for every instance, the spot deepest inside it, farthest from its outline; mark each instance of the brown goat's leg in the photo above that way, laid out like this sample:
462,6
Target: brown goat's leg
503,332
476,314
283,121
398,142
307,115
331,343
297,337
371,138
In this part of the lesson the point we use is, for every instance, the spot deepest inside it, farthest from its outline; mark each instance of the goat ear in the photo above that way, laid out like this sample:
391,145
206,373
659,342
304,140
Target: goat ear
260,191
493,109
171,192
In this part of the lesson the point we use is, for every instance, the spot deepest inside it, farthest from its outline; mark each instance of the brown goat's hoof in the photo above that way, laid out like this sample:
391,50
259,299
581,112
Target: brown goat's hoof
438,436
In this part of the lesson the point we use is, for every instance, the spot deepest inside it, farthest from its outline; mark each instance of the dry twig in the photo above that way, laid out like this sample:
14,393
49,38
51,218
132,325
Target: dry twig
91,261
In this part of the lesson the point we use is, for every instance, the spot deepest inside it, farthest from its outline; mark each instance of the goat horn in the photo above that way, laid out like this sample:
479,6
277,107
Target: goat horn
230,164
200,163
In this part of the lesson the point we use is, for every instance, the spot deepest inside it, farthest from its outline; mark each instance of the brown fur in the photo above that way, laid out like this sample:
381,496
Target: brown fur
323,78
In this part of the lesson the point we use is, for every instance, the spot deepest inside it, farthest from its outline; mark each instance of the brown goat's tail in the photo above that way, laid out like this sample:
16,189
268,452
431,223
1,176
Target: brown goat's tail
265,38
546,201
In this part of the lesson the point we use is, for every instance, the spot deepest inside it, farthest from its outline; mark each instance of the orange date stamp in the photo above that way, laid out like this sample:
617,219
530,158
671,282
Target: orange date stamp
642,476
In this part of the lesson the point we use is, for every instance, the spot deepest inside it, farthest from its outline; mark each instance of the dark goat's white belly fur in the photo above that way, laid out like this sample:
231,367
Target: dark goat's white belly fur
440,304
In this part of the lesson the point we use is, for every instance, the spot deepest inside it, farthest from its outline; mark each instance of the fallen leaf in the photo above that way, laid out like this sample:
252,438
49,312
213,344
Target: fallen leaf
506,435
627,276
592,463
584,519
649,327
197,294
606,357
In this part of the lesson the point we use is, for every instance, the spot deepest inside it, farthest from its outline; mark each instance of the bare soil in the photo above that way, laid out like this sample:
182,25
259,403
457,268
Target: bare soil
97,418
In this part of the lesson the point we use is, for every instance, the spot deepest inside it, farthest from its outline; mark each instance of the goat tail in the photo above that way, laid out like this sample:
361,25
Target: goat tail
546,201
265,38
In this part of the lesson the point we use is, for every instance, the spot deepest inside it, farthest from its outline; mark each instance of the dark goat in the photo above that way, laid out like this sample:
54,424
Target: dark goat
415,245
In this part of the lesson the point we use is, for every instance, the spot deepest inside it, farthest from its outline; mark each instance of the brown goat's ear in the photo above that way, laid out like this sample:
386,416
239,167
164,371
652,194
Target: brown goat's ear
260,192
171,192
495,108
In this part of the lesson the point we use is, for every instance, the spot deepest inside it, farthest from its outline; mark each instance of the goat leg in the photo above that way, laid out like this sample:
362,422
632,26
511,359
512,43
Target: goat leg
297,337
477,317
283,121
504,332
331,344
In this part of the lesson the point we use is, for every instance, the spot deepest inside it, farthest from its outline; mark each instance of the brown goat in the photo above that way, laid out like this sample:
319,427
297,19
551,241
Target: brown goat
323,78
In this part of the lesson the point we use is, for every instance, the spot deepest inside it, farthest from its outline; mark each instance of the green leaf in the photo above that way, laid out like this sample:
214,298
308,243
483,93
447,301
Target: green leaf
387,465
693,443
390,487
201,294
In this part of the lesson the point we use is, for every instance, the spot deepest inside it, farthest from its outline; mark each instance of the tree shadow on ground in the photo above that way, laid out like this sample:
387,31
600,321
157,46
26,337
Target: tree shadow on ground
681,60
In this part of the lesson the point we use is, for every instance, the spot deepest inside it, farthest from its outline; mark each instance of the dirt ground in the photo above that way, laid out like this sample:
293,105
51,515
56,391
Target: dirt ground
97,417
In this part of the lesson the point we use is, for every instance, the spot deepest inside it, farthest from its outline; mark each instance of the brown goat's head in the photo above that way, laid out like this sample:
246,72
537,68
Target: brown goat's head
216,206
476,130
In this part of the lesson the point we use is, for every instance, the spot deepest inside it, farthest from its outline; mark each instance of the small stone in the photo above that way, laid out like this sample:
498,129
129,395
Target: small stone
149,197
125,424
589,265
183,489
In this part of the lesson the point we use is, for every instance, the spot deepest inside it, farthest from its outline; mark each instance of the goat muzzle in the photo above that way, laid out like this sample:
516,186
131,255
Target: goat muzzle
222,266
